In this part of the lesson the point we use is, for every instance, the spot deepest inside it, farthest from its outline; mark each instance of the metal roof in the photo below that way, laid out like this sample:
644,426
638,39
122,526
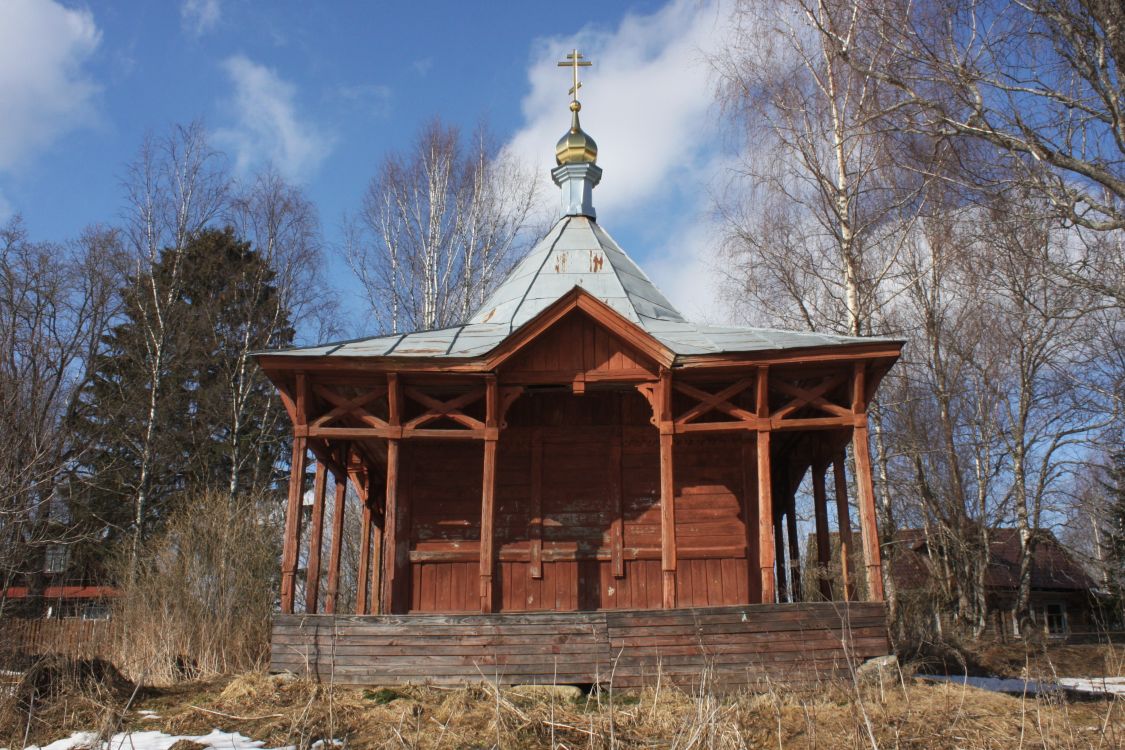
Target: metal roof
575,253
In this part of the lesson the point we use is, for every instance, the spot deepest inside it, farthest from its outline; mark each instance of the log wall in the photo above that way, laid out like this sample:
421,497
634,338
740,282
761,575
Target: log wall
727,647
578,513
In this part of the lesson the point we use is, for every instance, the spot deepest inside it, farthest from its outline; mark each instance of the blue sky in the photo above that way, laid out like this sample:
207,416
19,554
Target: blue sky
323,90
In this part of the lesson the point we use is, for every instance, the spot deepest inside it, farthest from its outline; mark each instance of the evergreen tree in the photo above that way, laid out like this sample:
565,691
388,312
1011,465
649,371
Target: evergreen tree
219,424
1114,486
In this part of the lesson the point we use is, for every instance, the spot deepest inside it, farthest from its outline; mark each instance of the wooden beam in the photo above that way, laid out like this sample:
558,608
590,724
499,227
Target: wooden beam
779,553
488,498
388,582
316,539
616,502
391,534
843,524
712,401
374,585
796,592
362,606
750,518
823,546
535,526
667,492
292,542
766,545
338,510
865,489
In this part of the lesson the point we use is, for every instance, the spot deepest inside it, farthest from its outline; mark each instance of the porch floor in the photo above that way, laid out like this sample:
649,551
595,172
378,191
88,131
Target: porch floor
729,647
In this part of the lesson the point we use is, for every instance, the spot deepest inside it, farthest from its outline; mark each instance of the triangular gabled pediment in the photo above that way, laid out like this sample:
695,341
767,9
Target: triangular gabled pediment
579,335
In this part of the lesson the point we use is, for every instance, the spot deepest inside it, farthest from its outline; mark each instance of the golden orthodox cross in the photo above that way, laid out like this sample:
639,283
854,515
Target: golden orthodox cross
575,60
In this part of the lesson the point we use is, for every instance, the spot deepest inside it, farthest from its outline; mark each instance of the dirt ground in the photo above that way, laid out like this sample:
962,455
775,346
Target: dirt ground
897,713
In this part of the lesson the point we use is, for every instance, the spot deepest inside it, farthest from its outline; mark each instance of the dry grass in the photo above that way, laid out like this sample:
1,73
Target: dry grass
900,715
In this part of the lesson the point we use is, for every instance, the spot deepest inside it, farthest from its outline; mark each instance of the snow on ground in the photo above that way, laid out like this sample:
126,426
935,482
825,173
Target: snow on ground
1111,685
157,741
1015,686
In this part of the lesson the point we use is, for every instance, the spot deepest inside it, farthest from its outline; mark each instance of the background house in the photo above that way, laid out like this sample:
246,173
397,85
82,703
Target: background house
1061,591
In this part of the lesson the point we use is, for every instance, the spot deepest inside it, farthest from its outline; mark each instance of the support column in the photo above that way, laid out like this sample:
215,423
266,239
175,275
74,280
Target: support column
362,605
535,530
796,592
668,556
865,489
291,546
844,524
823,544
374,586
616,501
338,510
391,512
488,497
750,516
316,539
390,552
766,540
779,557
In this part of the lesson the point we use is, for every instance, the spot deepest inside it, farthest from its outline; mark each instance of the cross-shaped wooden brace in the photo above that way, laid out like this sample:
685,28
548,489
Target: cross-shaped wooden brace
450,409
715,401
810,397
349,406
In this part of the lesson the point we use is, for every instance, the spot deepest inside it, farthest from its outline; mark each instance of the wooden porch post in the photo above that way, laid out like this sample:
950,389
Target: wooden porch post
865,489
316,539
779,556
844,523
668,555
292,543
390,508
797,593
750,515
616,500
337,543
535,532
823,545
361,582
488,496
765,491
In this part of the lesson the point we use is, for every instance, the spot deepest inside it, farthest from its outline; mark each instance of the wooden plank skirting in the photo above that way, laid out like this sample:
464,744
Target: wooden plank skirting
727,647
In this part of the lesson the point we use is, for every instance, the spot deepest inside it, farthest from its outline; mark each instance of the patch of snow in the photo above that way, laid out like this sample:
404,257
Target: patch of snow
158,741
994,684
1094,685
1087,686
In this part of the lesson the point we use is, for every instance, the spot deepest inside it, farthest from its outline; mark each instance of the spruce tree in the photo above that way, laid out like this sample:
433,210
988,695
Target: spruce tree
214,407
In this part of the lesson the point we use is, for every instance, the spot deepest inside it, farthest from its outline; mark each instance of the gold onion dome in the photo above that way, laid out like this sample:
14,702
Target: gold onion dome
576,146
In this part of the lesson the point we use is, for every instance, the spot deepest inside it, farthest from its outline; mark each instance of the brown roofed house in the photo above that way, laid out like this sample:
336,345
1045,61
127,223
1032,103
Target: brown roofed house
1061,600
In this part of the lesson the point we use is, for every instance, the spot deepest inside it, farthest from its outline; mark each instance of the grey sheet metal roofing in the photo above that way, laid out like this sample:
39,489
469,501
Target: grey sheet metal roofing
576,252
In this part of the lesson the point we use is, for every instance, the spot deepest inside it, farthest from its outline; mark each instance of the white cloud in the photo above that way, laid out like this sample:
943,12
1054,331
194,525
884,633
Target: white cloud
267,127
648,101
200,16
369,98
44,89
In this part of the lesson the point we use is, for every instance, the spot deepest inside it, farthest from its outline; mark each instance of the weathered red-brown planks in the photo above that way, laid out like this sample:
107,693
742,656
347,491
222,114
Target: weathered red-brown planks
723,647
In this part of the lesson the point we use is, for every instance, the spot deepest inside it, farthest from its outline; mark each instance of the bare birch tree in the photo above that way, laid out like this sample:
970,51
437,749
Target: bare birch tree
55,303
820,211
1033,85
282,225
174,189
439,227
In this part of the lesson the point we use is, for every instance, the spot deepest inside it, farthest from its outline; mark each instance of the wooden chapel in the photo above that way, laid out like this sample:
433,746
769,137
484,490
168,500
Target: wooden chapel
577,483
